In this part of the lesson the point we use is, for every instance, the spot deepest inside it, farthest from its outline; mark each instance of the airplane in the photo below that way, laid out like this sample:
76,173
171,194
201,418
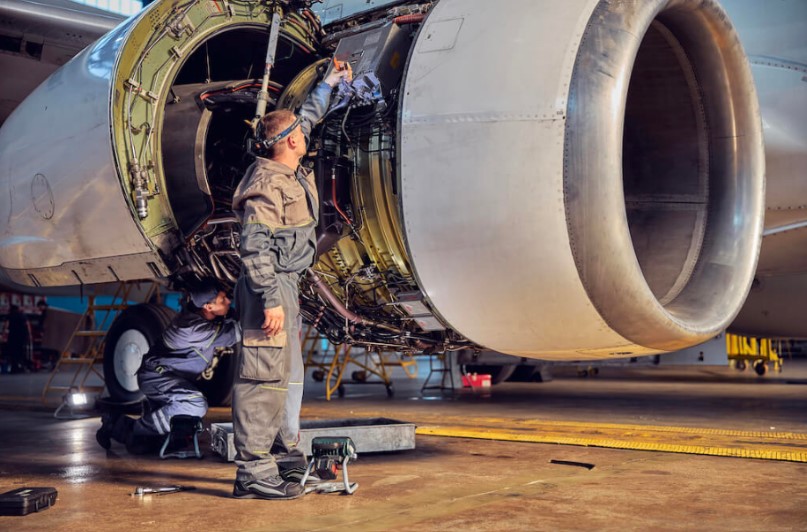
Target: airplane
577,180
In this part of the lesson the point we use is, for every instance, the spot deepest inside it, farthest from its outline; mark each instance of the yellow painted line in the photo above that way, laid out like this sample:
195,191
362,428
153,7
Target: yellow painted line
765,445
588,426
421,418
640,438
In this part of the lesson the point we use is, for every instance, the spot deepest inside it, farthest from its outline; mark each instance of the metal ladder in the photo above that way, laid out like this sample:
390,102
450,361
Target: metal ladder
440,364
83,364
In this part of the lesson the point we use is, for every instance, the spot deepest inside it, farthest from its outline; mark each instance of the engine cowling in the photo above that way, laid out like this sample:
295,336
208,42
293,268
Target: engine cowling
600,190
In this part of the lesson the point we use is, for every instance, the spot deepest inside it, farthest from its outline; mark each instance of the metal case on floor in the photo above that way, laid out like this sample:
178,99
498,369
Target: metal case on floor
23,501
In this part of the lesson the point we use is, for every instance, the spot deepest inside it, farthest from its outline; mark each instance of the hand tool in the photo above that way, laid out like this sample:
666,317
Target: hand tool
165,490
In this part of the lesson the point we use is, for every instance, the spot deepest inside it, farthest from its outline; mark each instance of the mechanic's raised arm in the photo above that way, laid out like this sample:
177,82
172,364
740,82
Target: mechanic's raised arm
319,99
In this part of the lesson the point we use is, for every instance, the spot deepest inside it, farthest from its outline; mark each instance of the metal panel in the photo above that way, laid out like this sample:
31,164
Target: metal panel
482,176
61,191
331,10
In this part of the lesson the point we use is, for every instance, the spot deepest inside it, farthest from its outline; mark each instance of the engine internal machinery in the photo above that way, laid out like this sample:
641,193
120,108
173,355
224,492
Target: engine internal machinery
363,290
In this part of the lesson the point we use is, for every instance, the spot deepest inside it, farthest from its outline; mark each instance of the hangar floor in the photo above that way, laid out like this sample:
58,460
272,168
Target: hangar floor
464,483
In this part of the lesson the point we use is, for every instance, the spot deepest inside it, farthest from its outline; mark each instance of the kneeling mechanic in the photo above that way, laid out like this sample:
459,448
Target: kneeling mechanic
169,370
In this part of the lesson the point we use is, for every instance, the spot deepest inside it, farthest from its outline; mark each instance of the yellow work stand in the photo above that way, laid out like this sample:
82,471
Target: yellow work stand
744,351
330,364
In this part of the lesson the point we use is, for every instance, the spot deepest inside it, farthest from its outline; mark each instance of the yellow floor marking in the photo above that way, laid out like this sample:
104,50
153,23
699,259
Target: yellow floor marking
641,438
577,426
768,445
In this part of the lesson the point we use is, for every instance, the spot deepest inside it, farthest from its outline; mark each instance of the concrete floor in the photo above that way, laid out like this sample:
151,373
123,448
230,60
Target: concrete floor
451,483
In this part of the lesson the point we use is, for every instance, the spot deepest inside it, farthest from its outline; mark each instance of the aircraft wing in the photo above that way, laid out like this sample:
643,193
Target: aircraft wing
37,37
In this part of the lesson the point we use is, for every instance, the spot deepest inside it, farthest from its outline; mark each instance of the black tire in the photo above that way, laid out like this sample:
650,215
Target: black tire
761,368
497,373
219,390
134,331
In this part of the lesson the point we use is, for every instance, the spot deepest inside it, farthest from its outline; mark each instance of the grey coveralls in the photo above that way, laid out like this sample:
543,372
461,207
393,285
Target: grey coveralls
168,371
278,208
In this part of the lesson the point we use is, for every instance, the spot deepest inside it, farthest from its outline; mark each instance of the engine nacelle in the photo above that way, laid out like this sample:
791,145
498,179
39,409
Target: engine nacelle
582,176
577,179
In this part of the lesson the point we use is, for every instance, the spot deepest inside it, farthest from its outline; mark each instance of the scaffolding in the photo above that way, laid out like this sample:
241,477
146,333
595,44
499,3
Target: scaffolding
330,364
73,370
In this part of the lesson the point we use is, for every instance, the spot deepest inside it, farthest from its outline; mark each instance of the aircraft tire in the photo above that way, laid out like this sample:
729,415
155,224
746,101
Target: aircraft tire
129,338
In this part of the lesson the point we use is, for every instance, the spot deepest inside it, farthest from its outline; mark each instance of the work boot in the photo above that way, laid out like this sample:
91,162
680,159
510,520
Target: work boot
295,474
273,487
110,426
103,437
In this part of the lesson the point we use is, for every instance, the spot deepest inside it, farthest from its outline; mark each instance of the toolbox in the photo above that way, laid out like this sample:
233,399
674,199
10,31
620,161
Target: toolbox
476,381
23,501
370,435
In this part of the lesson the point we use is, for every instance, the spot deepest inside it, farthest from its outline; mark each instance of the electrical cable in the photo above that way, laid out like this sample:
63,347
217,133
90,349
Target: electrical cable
335,201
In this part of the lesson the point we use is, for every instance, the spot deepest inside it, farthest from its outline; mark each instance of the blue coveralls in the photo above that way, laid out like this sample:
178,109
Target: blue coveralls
169,369
278,208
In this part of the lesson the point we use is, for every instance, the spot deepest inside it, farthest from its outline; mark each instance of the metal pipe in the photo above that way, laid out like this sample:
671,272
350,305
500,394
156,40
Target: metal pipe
323,290
409,19
263,95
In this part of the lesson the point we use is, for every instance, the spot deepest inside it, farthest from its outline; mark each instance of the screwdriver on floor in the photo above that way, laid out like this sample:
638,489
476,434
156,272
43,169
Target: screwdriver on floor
140,491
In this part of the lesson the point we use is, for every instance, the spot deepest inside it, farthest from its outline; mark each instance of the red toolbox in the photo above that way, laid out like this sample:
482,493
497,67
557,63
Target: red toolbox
476,381
23,501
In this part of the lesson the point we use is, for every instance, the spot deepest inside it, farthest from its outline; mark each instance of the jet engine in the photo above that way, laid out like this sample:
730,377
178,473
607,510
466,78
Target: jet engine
559,180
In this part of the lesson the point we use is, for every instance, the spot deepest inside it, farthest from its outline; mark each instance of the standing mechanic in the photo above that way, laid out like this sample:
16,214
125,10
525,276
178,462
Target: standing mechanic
277,205
169,370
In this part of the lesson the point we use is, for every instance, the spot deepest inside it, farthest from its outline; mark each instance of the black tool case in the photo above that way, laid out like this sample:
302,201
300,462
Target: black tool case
23,501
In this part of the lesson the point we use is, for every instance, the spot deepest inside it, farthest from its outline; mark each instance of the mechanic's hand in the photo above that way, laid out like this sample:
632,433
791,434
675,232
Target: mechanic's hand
335,76
273,320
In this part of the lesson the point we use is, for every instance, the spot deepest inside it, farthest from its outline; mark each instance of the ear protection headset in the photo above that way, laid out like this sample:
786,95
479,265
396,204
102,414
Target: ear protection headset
259,146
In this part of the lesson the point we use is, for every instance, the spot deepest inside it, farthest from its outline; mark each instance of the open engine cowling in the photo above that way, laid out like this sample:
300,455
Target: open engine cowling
576,179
